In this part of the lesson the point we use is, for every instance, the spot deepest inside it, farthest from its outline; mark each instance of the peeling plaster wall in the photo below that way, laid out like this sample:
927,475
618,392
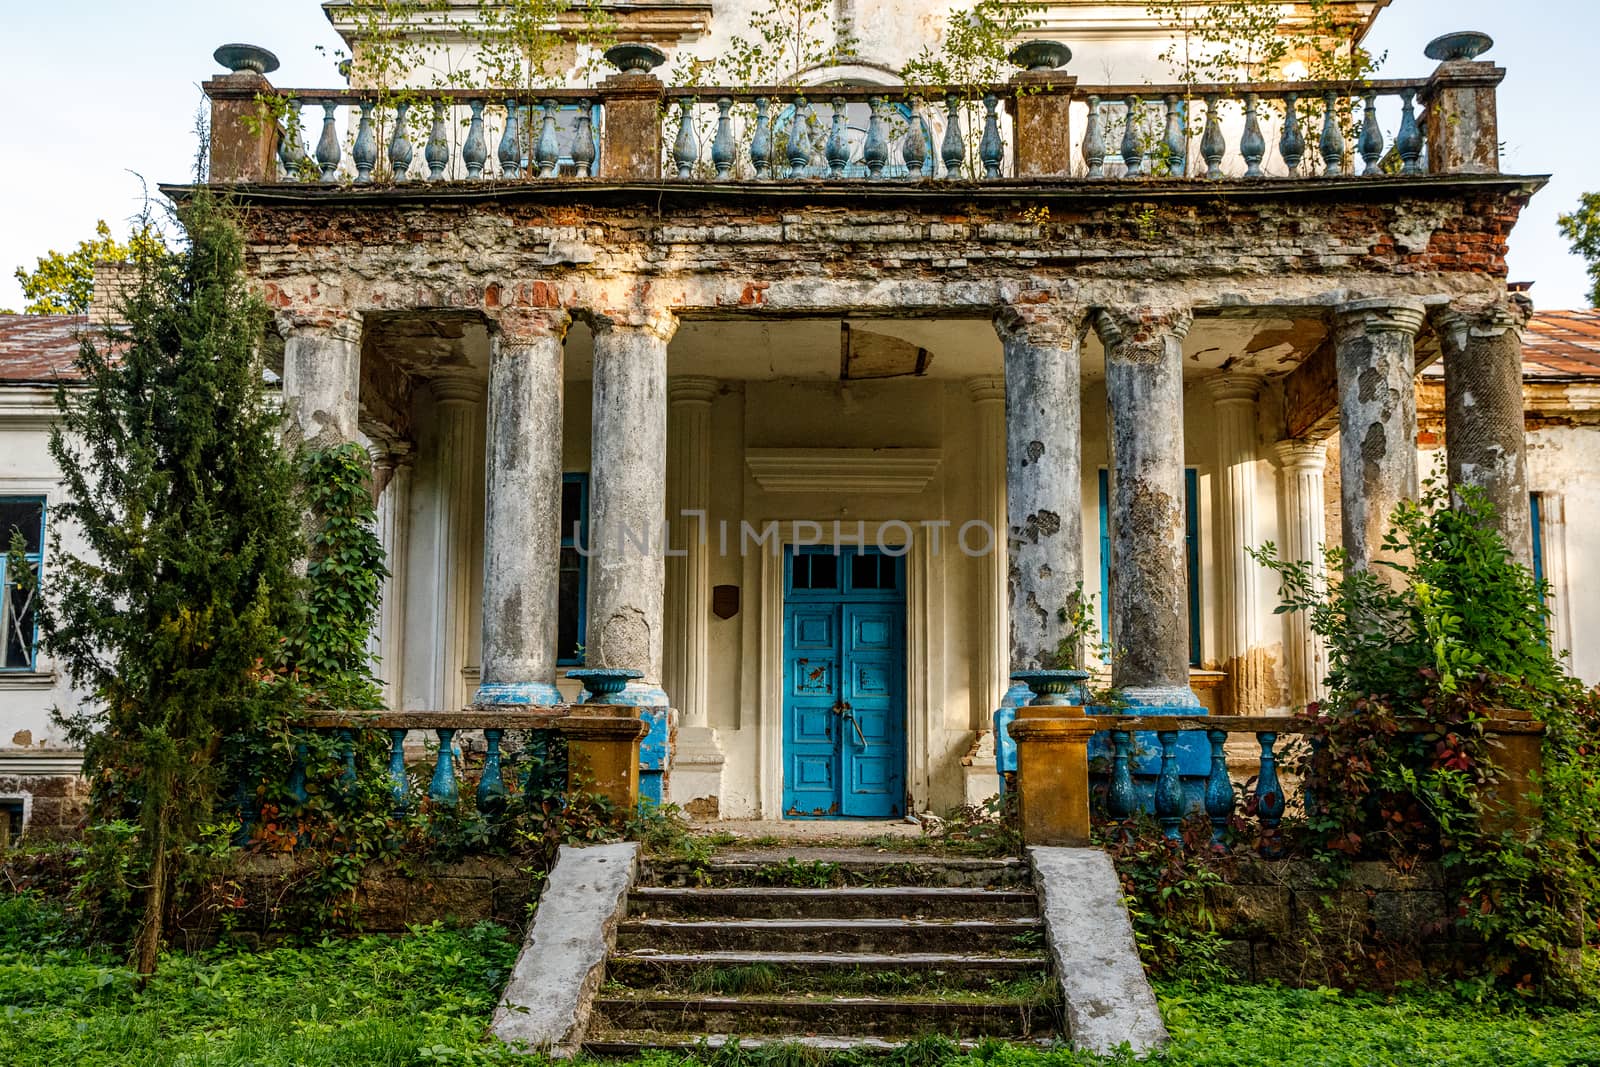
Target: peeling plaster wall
26,469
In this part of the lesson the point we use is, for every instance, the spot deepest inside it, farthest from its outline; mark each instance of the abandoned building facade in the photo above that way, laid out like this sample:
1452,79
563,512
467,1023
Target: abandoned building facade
817,424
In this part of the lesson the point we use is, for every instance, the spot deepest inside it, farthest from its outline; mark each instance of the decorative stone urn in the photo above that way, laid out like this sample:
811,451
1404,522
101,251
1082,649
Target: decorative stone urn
1464,44
603,683
1041,55
243,58
635,60
1055,688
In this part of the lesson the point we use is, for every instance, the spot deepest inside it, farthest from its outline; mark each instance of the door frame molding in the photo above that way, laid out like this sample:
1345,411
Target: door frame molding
919,656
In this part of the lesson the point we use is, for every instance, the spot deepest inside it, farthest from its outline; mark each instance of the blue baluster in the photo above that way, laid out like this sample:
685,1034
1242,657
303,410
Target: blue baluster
328,150
510,153
297,773
291,150
491,787
1269,798
475,153
1213,146
1252,146
1292,145
875,151
1318,746
954,148
1408,141
399,788
347,756
1219,789
722,144
1121,799
914,146
400,150
761,140
548,152
1132,150
799,140
443,787
838,147
1176,143
686,149
594,138
1332,145
1169,788
1371,134
585,151
365,150
990,150
438,151
1094,141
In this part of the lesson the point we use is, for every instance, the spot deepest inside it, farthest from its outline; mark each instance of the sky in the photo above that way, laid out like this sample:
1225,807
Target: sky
116,86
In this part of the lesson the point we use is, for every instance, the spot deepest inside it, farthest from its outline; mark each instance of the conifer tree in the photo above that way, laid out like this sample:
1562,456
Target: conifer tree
184,496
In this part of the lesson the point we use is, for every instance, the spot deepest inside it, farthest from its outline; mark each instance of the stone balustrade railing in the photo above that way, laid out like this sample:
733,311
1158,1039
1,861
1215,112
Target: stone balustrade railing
1042,125
602,744
1135,739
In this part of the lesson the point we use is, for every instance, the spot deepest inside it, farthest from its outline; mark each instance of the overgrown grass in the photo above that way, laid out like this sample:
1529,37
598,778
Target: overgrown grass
426,999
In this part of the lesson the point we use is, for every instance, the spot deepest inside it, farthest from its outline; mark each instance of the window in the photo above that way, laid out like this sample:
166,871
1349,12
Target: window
1191,553
10,821
19,617
574,580
1536,506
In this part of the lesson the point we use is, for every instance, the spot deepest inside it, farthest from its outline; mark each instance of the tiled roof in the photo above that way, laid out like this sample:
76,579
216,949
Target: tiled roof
1562,344
38,348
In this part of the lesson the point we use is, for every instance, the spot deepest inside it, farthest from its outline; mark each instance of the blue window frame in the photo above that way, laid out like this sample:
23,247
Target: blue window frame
1191,552
19,615
574,584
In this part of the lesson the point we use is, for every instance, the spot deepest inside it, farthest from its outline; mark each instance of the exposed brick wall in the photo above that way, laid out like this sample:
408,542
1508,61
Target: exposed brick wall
741,249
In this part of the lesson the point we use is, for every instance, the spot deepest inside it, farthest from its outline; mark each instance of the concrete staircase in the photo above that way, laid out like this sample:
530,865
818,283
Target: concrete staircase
829,948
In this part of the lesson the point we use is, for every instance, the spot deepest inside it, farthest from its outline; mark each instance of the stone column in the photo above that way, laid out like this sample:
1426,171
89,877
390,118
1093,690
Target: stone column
1044,474
1303,531
697,764
322,381
458,440
627,502
393,474
992,655
1484,437
522,512
1375,352
1149,595
1233,398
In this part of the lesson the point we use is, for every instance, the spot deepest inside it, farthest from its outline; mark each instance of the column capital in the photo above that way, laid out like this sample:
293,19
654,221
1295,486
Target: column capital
1462,319
1233,388
662,322
457,389
1301,454
1034,317
1141,324
523,325
1380,315
990,388
338,323
692,389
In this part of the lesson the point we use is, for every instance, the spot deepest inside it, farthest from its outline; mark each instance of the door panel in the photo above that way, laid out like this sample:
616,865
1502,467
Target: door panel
844,720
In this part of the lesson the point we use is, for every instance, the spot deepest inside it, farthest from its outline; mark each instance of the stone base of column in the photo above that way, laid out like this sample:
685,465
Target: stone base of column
1161,699
697,766
520,693
1194,751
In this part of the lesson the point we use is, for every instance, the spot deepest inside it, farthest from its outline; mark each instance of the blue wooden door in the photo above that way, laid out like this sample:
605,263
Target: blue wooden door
844,719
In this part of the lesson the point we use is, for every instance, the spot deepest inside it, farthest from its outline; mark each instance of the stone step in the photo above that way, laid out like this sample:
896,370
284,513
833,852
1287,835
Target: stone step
833,935
823,1016
906,902
724,972
632,1043
819,868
